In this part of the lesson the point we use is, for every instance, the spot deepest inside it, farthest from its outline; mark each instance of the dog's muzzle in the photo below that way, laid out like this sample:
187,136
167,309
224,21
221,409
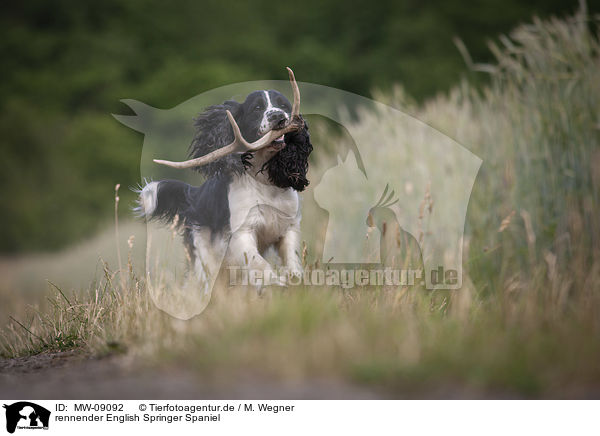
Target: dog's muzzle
278,144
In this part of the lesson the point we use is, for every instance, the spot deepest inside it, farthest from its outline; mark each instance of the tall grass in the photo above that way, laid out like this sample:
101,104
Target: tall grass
527,321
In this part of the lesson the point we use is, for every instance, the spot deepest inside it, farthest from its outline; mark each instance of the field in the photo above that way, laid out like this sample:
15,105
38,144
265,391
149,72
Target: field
525,324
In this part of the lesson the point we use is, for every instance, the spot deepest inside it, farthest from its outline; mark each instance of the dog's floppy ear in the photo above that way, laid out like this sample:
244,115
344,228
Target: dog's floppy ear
234,107
214,131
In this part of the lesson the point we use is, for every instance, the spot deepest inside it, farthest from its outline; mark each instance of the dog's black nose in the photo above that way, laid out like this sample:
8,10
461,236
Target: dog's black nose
277,119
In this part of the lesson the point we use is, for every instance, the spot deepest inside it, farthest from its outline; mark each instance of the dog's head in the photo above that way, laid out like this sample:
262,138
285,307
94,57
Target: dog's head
284,161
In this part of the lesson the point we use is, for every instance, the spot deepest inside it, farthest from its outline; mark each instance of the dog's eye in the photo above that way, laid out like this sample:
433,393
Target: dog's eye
257,107
281,103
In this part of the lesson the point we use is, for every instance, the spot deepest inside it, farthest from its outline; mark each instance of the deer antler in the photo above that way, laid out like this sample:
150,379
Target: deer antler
239,144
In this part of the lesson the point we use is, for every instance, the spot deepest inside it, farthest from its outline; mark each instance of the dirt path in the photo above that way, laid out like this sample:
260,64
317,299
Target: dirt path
69,375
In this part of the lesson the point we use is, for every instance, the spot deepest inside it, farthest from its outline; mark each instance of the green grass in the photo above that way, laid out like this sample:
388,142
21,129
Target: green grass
527,320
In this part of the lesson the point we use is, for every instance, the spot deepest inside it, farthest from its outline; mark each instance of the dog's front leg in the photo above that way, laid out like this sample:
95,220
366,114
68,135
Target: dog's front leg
288,251
243,250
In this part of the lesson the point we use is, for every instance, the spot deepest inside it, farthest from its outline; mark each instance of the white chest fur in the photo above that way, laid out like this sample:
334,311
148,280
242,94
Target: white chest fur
265,210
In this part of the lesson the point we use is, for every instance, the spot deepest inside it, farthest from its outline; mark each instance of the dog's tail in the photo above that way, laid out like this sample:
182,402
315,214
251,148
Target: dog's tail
206,205
163,200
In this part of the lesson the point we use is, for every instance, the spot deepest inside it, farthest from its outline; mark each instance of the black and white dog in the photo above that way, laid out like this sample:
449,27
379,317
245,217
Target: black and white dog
249,201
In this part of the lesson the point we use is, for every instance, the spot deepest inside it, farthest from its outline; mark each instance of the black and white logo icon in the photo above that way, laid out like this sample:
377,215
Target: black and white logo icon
26,415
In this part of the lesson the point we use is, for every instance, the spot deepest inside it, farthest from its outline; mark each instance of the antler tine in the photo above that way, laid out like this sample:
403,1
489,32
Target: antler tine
238,139
239,144
296,92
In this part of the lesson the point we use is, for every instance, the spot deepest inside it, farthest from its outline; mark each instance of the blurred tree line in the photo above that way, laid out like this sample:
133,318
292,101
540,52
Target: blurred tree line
66,64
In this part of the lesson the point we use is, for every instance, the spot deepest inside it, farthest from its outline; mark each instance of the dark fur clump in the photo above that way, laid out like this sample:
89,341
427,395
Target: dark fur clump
288,167
213,131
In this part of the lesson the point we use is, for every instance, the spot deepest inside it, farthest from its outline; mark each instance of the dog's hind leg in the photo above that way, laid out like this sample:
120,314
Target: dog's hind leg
208,254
